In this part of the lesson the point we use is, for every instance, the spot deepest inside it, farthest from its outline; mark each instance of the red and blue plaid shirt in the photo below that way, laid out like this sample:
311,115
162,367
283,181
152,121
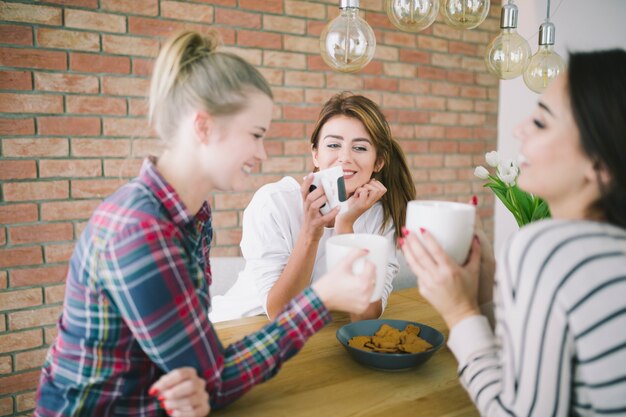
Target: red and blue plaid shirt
136,305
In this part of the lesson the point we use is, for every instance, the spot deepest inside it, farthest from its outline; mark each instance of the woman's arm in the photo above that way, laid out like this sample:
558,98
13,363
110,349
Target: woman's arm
296,275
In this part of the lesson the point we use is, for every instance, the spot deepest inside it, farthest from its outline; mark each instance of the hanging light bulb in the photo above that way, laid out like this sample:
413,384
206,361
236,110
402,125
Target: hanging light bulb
546,64
508,53
412,15
347,43
465,14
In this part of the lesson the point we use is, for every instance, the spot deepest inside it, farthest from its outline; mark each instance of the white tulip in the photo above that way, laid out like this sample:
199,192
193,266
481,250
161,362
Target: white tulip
492,158
481,172
507,172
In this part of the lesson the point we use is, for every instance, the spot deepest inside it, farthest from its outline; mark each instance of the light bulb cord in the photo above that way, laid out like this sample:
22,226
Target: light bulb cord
548,12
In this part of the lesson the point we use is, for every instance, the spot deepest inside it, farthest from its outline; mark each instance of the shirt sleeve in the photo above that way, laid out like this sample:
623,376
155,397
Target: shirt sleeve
146,274
266,242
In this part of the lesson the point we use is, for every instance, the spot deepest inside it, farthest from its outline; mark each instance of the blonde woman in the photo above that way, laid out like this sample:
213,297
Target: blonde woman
137,297
284,232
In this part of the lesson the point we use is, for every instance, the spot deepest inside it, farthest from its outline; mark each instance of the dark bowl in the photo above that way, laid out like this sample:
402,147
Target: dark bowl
388,361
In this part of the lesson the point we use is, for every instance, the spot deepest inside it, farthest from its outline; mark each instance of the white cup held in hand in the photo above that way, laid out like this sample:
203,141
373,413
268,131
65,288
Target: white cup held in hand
338,247
450,223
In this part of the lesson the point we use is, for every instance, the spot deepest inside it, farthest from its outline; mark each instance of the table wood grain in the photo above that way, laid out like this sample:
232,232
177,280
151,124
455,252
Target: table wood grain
322,380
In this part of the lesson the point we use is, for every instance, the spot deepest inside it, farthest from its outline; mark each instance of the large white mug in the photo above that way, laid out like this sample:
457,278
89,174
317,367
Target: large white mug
450,223
339,246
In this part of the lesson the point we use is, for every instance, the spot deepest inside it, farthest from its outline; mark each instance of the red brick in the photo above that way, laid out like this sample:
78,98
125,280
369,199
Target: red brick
68,39
440,118
412,116
187,11
238,18
228,237
284,59
92,4
26,401
6,365
34,317
95,105
423,161
54,294
20,341
39,190
19,12
16,170
10,127
286,130
435,103
397,69
16,35
127,128
414,86
146,147
304,78
78,126
271,6
143,67
30,103
444,146
445,89
156,27
138,107
474,92
259,39
33,58
224,218
459,104
123,168
96,21
71,210
399,38
38,276
288,95
299,113
18,213
71,83
229,201
143,7
391,100
58,253
126,86
31,147
457,161
130,45
454,132
19,382
30,359
53,232
283,165
272,75
282,23
95,188
11,300
50,334
465,77
315,28
431,73
100,147
16,80
305,9
20,256
412,55
70,168
99,63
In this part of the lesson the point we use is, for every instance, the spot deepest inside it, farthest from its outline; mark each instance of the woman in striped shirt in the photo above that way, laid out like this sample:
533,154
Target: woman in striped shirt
559,346
137,294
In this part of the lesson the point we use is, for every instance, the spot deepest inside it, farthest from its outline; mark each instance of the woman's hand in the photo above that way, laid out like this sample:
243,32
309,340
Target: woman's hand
341,290
450,288
363,198
314,221
182,393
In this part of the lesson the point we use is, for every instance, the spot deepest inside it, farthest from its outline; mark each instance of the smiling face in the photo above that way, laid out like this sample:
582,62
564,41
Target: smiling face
552,162
344,141
235,144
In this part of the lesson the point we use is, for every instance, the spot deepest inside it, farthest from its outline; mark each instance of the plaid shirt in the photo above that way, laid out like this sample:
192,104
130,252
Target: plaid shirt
136,305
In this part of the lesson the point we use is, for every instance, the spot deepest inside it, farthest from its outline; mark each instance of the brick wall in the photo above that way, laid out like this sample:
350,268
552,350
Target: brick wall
73,81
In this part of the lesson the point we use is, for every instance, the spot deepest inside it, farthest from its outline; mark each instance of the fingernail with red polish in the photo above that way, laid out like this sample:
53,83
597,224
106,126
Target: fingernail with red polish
405,232
161,398
153,391
422,230
400,241
474,200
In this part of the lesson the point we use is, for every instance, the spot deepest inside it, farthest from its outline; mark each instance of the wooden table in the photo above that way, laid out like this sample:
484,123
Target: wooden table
322,380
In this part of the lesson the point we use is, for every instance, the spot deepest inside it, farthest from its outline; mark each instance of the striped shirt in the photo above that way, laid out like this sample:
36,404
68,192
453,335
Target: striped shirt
559,346
136,304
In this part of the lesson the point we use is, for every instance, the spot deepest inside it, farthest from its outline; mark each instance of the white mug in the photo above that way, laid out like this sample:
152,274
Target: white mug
450,223
339,246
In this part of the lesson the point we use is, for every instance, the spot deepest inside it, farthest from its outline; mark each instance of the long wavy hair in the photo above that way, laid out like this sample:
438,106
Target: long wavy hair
597,91
395,174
